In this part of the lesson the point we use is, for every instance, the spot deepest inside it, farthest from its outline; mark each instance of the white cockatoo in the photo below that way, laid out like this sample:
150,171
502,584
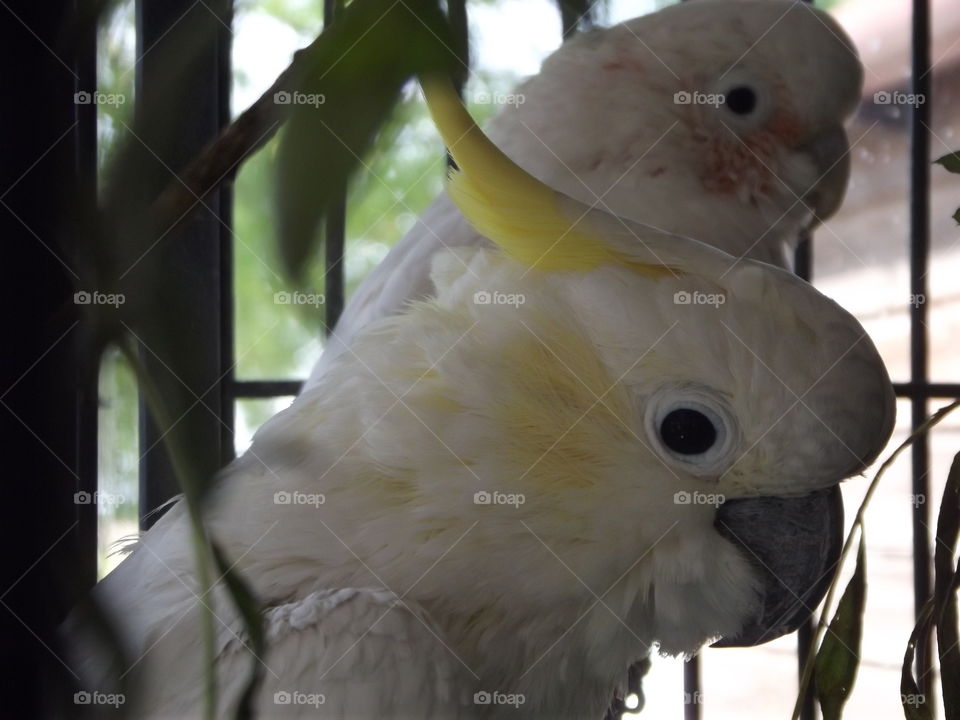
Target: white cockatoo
582,447
720,120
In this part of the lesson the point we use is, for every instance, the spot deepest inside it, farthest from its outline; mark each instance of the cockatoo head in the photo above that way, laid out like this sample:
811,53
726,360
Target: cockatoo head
654,400
719,117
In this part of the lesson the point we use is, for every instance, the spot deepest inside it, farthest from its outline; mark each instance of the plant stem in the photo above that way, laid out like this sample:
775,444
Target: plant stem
824,623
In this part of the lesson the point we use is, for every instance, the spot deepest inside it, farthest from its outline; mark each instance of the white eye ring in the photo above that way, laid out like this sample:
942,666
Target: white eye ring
692,429
746,101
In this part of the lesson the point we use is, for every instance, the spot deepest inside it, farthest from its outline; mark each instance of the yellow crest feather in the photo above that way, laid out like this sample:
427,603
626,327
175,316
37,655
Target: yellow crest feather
504,202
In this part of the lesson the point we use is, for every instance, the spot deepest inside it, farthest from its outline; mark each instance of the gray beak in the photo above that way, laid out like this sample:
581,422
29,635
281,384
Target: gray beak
794,544
830,152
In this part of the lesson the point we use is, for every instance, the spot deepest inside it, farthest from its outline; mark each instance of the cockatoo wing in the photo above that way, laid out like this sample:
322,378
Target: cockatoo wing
346,653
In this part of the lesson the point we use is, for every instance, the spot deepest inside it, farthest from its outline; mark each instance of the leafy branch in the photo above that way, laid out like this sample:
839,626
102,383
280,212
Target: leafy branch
833,660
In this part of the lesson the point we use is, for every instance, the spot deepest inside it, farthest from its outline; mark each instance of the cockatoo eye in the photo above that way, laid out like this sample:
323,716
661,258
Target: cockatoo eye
741,100
692,428
688,431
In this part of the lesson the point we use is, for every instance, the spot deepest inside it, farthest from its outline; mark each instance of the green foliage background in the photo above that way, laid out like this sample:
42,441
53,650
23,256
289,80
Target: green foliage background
403,173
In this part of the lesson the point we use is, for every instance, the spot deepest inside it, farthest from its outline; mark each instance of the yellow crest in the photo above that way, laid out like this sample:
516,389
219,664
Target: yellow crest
504,202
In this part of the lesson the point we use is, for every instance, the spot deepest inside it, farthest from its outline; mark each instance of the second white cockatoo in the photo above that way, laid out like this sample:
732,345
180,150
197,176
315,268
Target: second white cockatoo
593,440
720,120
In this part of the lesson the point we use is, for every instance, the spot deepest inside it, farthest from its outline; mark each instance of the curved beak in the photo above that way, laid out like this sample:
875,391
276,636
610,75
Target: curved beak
830,152
794,544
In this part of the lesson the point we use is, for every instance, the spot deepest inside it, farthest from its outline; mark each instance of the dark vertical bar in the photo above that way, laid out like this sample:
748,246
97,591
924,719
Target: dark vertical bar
575,15
919,258
692,695
457,15
88,380
803,267
49,559
460,30
180,108
335,225
805,635
335,231
227,317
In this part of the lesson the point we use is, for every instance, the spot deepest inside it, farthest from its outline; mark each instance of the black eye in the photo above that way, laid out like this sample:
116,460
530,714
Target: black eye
741,100
688,432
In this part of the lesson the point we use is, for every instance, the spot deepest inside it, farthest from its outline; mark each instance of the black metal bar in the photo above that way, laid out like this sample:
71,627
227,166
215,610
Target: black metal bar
264,388
803,267
88,390
692,695
459,28
919,259
575,15
805,635
335,226
227,318
50,540
921,390
179,46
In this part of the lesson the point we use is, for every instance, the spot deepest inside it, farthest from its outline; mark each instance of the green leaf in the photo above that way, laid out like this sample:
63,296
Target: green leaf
249,607
950,161
913,701
354,75
945,591
838,659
